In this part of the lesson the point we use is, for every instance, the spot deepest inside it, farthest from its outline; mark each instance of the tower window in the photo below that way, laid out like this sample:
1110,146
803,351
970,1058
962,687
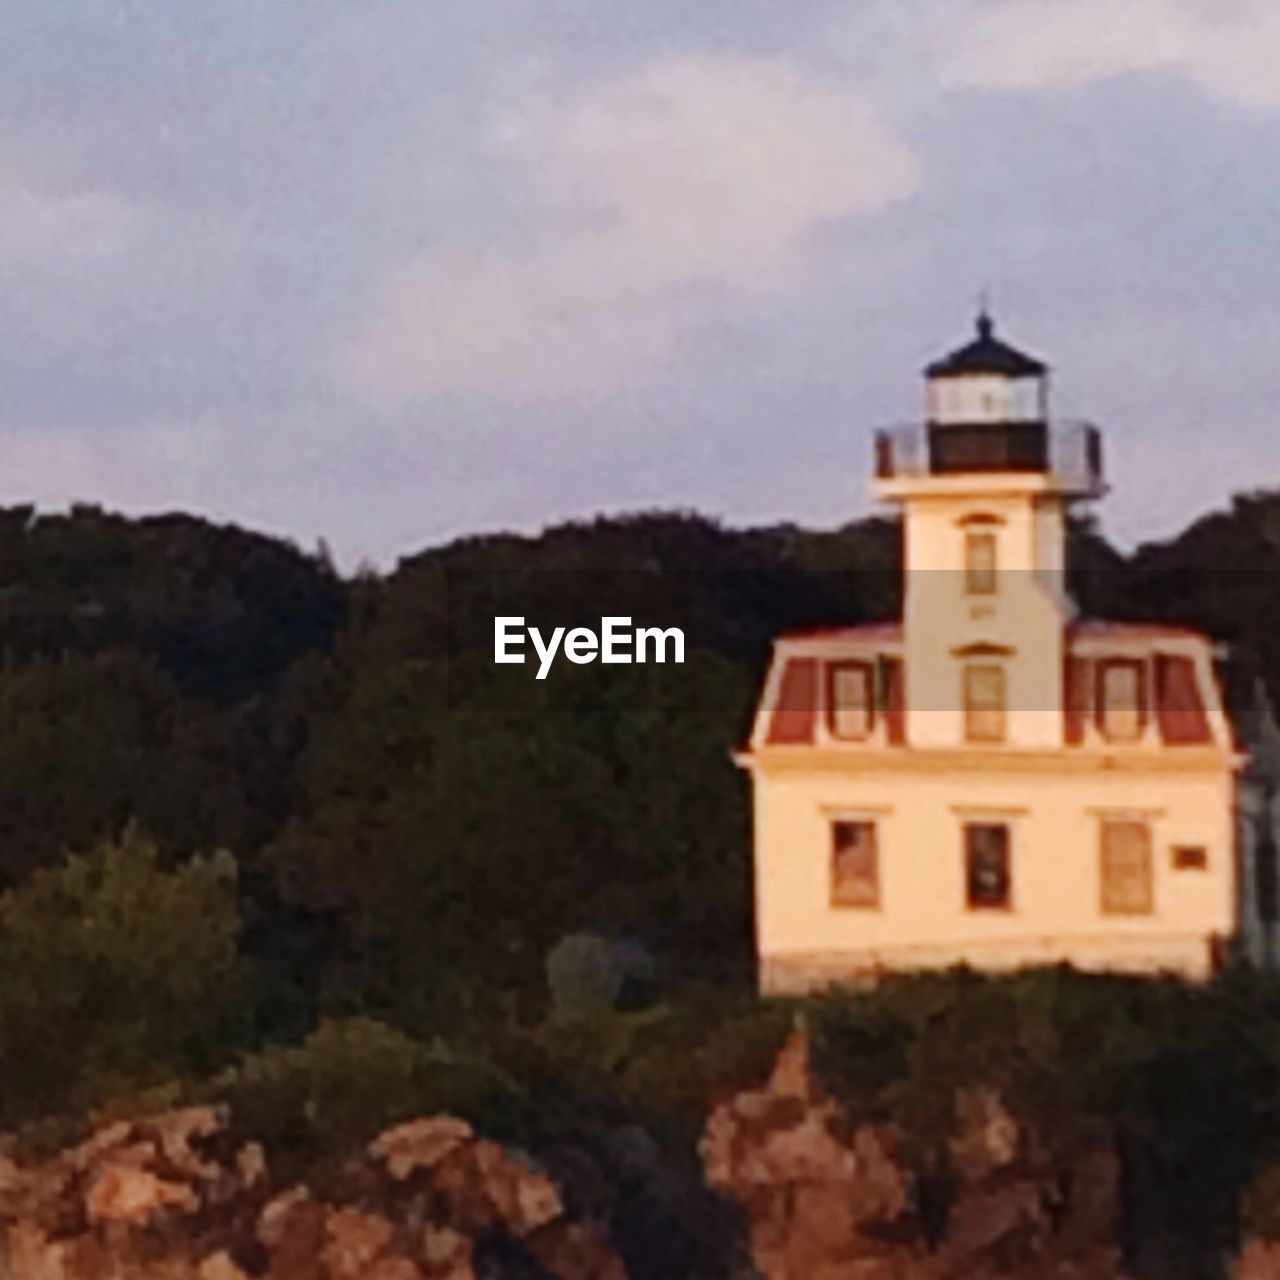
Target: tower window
851,700
1126,867
855,865
1122,707
988,880
984,703
980,563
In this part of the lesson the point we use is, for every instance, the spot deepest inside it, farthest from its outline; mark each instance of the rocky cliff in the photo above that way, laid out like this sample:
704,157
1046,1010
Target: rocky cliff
805,1193
172,1198
826,1201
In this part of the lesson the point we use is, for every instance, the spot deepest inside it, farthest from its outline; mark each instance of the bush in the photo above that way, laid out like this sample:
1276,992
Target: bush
353,1077
115,974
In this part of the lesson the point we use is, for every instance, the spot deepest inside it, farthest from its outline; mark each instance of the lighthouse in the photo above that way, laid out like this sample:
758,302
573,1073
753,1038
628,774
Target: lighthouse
993,779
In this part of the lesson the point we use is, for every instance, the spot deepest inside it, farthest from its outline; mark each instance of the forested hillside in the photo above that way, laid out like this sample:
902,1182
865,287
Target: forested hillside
290,796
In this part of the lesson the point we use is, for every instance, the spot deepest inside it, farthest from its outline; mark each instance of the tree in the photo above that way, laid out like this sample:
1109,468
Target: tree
91,742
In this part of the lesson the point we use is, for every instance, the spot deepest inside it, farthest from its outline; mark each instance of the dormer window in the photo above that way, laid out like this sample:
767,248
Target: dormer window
851,699
1121,699
980,562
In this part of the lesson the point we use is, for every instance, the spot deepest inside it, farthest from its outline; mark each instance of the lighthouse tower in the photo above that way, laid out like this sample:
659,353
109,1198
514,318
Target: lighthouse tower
992,780
985,482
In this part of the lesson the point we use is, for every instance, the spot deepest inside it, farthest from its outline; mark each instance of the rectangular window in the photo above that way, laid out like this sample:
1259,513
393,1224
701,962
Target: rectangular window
987,872
855,865
1126,867
984,703
1122,709
980,563
850,699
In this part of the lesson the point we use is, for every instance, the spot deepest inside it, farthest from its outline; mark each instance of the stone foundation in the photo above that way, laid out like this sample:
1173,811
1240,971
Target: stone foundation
1187,956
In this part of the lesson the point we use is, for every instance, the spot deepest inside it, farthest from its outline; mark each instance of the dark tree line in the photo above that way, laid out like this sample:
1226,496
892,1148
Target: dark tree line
413,829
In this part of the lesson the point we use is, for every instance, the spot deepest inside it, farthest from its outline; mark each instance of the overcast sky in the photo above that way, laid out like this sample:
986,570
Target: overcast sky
391,270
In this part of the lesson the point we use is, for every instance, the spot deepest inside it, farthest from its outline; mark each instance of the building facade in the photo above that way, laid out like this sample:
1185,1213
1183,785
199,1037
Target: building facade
994,780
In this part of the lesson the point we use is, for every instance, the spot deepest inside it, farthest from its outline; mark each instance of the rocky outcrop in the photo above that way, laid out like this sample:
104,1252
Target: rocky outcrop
174,1198
801,1194
825,1201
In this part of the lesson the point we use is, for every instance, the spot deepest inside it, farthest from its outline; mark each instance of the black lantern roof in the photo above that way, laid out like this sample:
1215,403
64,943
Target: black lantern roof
986,354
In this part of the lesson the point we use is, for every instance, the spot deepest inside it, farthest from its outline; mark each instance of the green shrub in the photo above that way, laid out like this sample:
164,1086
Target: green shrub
352,1077
115,974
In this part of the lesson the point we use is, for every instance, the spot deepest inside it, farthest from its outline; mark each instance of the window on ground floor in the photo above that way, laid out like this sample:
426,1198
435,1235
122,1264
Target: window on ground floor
988,877
1126,867
855,864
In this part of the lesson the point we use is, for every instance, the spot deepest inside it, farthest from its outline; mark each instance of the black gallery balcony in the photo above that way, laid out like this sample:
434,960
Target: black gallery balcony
1068,452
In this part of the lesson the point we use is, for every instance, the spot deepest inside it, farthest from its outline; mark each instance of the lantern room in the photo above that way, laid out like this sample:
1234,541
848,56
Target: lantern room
987,407
986,382
987,413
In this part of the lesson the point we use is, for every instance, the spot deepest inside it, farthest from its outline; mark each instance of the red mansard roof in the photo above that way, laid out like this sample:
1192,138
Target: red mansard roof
1105,629
1081,629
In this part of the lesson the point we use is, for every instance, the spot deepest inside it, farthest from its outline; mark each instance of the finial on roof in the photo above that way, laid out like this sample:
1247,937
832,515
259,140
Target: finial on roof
986,326
986,354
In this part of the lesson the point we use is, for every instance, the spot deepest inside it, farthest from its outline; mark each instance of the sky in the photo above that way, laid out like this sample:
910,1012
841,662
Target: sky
385,272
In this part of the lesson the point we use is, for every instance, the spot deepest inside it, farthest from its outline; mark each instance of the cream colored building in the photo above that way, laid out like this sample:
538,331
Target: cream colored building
995,780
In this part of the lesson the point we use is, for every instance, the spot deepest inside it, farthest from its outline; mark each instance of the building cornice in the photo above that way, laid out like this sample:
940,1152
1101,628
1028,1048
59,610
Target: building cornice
990,760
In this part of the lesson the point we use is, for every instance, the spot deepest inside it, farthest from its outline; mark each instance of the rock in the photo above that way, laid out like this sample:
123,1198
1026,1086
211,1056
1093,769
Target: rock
1010,1217
293,1230
251,1164
988,1138
175,1131
91,1150
168,1197
1258,1260
273,1220
354,1241
27,1254
817,1201
395,1268
219,1266
10,1176
126,1193
444,1248
825,1200
574,1251
792,1075
486,1186
420,1144
537,1203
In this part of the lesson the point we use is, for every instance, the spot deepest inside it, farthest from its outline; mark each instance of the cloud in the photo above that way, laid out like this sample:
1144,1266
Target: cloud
1231,52
650,203
47,224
